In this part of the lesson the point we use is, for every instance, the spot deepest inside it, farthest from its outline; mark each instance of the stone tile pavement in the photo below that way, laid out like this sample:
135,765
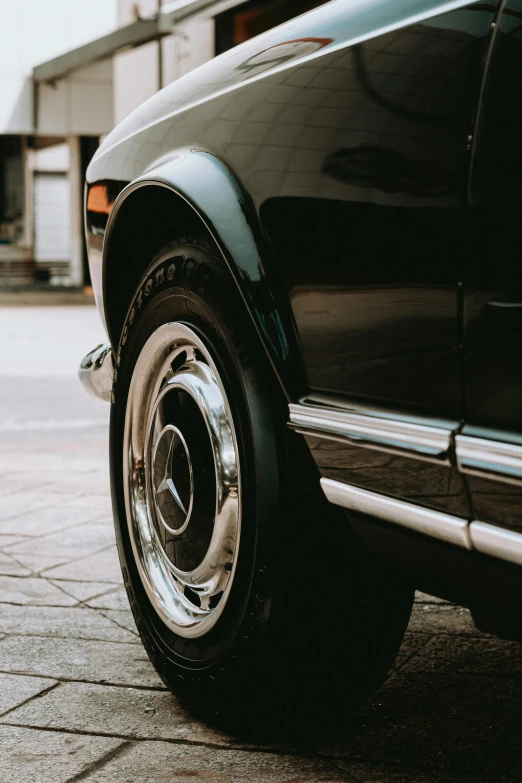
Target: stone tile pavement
79,700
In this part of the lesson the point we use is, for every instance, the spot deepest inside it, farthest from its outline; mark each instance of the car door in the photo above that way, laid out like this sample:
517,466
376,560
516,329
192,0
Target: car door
489,450
370,233
371,241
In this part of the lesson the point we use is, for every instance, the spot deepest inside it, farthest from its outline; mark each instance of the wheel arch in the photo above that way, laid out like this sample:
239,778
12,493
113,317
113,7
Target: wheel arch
189,193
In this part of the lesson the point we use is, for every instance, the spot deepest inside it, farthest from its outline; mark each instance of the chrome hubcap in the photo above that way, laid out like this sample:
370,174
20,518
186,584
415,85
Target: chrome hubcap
182,480
171,463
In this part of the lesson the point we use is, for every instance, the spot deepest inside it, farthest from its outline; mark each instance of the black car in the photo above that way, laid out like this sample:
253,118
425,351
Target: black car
307,255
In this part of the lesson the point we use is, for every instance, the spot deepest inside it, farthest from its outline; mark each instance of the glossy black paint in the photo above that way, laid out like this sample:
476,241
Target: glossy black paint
372,267
148,212
346,165
354,166
493,303
440,487
493,313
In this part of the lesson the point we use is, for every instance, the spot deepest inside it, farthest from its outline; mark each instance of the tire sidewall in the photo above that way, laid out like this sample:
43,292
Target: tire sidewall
187,283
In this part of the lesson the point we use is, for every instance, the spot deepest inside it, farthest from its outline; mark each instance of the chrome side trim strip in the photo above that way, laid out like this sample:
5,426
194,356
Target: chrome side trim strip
445,527
489,459
497,541
423,442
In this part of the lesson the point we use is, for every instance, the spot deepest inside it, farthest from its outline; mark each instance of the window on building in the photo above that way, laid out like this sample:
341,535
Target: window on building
243,22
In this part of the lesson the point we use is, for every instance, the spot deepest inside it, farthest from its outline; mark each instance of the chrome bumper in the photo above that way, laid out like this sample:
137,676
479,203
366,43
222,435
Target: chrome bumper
96,371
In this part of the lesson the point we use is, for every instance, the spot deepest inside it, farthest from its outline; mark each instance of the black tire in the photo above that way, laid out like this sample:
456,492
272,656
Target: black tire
310,624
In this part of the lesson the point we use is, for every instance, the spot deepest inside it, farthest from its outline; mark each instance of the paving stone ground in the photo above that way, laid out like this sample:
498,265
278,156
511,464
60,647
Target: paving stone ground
79,700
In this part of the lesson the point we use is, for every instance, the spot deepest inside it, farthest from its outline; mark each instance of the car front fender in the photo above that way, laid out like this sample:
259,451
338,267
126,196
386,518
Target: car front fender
210,189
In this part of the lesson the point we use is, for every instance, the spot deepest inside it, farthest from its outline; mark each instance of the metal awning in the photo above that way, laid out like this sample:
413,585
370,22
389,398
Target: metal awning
128,37
131,35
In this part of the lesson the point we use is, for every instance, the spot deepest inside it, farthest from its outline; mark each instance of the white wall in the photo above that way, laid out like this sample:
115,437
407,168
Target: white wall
127,10
92,100
32,31
137,72
135,76
80,104
191,46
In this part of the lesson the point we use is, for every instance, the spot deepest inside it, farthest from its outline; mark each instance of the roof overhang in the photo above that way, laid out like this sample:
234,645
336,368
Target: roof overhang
127,37
136,34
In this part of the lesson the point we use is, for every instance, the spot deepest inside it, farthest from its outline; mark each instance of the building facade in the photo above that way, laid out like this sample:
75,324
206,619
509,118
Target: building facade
71,70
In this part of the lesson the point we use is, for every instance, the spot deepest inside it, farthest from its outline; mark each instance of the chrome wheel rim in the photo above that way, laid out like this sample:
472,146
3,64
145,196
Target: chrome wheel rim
182,480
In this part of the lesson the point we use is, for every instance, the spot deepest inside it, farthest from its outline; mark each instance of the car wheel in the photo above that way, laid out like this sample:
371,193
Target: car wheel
247,587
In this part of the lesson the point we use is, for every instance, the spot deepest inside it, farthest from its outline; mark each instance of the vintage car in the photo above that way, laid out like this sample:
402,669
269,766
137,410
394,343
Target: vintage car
307,256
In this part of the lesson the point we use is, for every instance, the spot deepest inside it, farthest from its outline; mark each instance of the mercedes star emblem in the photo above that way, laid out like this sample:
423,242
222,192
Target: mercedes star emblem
172,480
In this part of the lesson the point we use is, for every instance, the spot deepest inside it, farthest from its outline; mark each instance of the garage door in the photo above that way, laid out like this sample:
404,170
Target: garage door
52,218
